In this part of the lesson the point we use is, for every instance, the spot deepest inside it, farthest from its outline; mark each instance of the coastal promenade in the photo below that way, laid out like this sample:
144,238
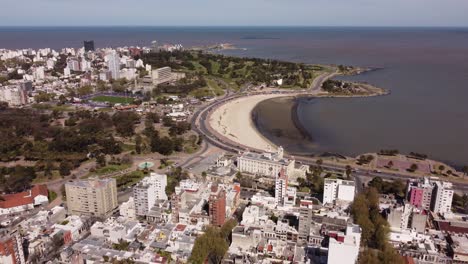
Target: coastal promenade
228,121
227,124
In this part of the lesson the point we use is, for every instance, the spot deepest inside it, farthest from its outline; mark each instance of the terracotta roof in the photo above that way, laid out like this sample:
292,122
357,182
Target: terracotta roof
39,190
23,198
180,227
448,227
408,260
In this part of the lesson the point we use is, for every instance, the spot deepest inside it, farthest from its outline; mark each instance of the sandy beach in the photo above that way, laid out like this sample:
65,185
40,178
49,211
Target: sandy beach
233,121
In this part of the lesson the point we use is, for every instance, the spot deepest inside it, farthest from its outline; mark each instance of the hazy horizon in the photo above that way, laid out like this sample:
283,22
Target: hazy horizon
317,13
234,26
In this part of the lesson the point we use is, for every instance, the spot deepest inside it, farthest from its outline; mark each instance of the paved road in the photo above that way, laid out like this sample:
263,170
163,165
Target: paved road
317,82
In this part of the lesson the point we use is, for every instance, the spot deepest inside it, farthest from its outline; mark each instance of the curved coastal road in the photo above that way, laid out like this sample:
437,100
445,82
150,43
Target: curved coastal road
200,124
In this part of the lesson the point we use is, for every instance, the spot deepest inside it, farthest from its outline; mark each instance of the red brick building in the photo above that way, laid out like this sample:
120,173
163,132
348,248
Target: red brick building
11,248
217,205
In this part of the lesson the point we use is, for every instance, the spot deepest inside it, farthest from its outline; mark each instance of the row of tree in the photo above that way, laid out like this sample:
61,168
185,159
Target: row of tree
213,244
375,230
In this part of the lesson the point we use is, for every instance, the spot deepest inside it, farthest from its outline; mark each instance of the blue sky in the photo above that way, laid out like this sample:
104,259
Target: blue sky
235,12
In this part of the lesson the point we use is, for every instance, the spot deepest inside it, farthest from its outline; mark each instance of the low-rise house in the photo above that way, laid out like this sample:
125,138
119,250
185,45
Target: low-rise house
72,224
114,231
23,201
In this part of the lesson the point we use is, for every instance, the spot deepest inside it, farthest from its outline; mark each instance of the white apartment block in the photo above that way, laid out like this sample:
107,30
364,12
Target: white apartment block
281,186
442,197
266,164
345,248
113,64
13,95
148,191
73,65
39,73
127,209
337,189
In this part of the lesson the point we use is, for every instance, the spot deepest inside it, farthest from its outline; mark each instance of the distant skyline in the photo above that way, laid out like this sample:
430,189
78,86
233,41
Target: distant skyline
391,13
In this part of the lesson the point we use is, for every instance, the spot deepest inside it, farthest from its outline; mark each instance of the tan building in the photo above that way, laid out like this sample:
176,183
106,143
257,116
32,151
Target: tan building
95,197
165,75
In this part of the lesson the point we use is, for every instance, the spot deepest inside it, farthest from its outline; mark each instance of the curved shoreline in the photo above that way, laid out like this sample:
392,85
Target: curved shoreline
297,123
236,121
233,120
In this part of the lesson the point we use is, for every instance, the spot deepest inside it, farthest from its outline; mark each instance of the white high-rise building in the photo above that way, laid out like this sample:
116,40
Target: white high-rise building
50,63
344,249
281,187
148,191
113,64
73,65
338,189
442,197
39,73
85,65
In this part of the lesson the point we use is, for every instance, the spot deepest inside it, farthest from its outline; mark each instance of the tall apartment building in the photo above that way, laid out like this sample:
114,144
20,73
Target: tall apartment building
265,164
148,191
217,205
13,95
88,45
338,189
281,187
430,195
95,197
11,248
420,193
73,65
442,197
113,64
39,73
305,221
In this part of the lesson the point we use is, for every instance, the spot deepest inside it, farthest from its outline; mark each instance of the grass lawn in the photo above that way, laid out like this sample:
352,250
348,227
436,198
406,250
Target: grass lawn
62,108
215,87
111,168
129,179
215,66
127,147
198,67
51,195
113,99
202,92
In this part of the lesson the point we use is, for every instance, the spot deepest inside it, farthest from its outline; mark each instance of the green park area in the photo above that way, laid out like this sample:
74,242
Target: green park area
208,74
113,99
